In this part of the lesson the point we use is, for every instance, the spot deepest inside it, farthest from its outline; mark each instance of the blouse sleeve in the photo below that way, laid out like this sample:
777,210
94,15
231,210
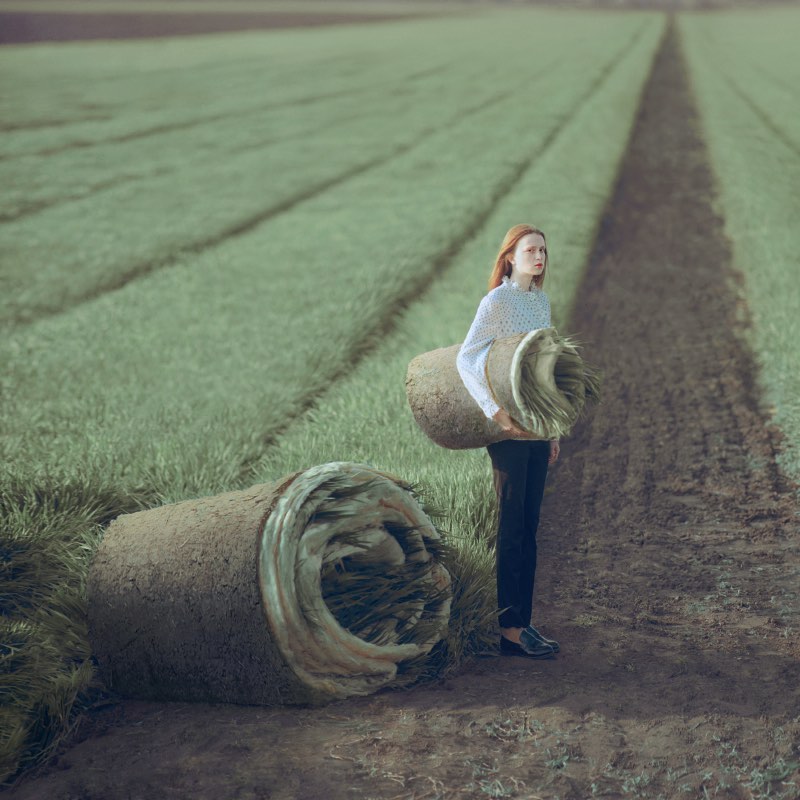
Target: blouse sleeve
471,359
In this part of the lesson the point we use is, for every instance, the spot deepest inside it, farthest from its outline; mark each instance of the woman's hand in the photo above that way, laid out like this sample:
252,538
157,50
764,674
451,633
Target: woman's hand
555,449
502,418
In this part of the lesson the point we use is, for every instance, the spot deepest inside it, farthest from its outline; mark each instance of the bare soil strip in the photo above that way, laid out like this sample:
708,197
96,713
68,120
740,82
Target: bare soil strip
668,571
19,27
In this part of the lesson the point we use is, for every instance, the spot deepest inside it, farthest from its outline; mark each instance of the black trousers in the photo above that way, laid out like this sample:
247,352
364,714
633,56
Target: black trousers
519,468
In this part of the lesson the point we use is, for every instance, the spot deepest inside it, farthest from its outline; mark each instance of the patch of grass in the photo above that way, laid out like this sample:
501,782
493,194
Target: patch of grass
727,773
514,730
587,620
488,781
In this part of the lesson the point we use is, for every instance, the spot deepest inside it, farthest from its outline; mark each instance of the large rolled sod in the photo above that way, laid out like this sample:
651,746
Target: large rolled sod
323,584
538,377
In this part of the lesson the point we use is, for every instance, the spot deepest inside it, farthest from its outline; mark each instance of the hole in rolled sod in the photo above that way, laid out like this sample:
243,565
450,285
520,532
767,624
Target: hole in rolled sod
326,583
538,377
370,591
379,589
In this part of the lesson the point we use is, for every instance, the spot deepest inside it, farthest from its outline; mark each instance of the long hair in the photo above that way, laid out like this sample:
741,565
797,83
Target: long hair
502,265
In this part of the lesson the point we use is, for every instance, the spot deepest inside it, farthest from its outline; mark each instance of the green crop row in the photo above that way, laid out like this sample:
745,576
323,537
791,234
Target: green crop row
72,168
147,202
746,71
172,195
239,148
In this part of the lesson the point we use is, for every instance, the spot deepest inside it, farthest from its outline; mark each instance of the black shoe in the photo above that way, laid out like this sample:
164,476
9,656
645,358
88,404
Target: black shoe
529,649
536,635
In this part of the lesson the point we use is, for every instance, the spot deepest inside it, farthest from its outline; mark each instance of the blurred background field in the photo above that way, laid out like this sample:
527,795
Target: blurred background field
80,20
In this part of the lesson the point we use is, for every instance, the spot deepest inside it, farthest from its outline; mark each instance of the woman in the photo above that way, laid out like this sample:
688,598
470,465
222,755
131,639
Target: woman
515,304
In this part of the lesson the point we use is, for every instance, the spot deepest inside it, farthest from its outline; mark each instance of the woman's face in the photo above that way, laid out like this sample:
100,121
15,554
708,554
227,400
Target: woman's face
530,255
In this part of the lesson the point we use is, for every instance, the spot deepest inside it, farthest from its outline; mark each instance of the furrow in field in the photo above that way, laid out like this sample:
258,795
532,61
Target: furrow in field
11,127
26,208
746,53
36,86
162,418
243,226
762,114
74,276
155,130
20,147
33,183
786,85
36,184
141,107
22,203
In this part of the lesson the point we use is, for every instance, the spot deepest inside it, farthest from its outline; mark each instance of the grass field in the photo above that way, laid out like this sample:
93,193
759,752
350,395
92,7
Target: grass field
219,254
260,249
746,73
215,349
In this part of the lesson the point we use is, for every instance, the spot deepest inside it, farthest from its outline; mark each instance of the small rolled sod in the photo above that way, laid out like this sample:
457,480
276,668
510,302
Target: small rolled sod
523,373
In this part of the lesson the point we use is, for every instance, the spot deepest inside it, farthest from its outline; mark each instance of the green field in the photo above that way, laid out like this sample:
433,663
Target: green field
298,240
204,357
218,255
746,74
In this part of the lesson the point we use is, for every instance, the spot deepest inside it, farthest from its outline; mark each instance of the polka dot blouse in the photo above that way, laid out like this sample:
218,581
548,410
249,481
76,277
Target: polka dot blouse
506,310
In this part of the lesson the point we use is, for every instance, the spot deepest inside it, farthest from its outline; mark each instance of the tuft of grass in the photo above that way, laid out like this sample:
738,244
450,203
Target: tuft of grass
510,730
47,678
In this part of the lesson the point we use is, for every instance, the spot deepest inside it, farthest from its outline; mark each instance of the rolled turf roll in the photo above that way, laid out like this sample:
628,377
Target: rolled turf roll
538,377
323,584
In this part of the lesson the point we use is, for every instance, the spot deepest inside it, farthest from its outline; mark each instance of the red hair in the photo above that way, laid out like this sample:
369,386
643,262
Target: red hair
502,264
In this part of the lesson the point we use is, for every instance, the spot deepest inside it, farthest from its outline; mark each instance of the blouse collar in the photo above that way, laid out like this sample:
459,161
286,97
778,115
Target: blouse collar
509,282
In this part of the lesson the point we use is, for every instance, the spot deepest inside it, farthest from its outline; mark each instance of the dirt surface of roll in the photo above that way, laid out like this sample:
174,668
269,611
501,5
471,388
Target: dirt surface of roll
537,377
220,599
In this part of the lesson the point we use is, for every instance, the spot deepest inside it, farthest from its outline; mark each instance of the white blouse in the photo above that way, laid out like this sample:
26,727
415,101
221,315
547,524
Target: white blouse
506,310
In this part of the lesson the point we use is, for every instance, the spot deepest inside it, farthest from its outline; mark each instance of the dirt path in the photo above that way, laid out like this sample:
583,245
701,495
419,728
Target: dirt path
668,571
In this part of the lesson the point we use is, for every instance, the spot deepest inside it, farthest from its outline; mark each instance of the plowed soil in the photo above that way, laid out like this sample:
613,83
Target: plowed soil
668,571
20,27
